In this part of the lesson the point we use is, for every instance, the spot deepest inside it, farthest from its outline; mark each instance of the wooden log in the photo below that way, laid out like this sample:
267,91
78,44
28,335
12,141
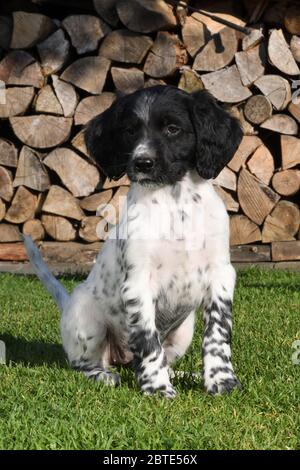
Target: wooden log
29,29
292,19
54,52
295,48
290,151
13,252
251,64
20,68
22,207
253,39
286,182
9,233
181,13
112,211
146,17
70,252
6,184
227,179
34,228
109,184
294,109
230,203
6,26
91,203
127,80
258,109
61,202
281,123
31,171
261,164
125,46
280,55
193,35
78,142
85,32
82,73
52,130
256,198
222,9
88,229
243,230
218,52
282,224
8,153
276,88
247,127
284,251
46,102
59,228
153,82
17,101
66,96
250,254
2,210
190,81
166,56
79,176
92,106
107,10
40,202
226,85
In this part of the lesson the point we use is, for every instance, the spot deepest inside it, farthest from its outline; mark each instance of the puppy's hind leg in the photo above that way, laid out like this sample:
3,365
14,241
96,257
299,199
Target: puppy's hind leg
84,335
178,341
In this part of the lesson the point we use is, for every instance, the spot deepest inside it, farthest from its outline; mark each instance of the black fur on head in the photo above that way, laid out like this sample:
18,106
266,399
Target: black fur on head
218,134
157,134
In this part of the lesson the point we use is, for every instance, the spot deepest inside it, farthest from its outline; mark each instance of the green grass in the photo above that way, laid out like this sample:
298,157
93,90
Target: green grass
44,404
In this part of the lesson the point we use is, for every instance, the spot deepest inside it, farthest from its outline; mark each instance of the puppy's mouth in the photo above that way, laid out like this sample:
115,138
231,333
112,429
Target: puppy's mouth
143,180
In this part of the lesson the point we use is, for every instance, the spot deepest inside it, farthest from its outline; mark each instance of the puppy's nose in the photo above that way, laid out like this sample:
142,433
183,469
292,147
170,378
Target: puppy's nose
144,165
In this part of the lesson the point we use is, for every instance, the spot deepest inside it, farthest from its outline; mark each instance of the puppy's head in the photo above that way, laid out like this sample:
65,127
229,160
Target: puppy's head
157,134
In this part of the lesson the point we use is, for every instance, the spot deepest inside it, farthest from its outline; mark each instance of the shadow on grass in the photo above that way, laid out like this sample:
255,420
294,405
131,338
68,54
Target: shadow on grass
38,353
33,353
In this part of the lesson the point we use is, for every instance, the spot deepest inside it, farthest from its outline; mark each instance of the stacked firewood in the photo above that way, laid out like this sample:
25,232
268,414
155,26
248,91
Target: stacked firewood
58,70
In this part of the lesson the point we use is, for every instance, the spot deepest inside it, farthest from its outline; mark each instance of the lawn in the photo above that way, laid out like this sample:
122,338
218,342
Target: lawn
44,404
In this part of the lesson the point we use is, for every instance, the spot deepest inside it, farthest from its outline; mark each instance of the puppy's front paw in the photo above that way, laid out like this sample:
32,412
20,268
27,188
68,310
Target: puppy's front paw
108,378
158,381
222,385
165,390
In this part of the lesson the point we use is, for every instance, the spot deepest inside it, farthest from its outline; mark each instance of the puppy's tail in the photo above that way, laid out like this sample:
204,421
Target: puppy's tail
55,288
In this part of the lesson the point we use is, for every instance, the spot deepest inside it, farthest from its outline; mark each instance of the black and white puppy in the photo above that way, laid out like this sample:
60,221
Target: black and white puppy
169,254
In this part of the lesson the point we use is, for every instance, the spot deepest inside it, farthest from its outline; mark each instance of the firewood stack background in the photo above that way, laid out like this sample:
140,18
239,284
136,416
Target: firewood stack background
63,62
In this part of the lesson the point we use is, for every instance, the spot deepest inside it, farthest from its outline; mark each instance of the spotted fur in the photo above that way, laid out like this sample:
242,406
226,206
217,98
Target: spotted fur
138,304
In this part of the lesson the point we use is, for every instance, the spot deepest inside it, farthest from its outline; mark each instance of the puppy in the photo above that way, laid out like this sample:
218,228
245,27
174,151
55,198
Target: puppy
169,254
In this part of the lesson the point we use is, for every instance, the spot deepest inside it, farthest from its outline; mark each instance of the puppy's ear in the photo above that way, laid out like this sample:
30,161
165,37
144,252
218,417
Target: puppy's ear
218,134
101,139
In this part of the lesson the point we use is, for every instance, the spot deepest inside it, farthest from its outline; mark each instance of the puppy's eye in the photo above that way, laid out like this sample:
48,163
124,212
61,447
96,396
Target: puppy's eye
172,130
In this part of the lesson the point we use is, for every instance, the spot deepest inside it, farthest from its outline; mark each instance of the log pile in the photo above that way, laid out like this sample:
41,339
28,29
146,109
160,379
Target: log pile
62,66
